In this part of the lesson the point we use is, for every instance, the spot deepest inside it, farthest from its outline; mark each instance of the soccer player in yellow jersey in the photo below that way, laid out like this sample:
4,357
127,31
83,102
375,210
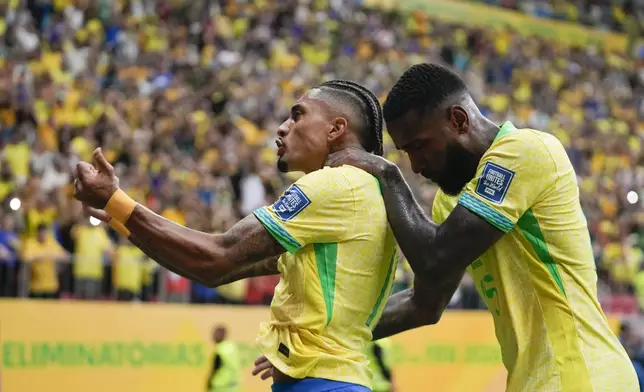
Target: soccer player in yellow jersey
337,251
509,212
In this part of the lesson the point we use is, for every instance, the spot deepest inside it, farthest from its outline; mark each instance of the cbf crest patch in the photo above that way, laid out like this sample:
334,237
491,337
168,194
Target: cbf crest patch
291,203
494,182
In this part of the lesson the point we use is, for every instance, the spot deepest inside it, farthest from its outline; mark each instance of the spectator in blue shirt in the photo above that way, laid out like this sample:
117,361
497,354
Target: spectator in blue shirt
633,345
639,368
9,247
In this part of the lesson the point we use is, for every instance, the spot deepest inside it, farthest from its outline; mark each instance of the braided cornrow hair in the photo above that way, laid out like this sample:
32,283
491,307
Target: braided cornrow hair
371,137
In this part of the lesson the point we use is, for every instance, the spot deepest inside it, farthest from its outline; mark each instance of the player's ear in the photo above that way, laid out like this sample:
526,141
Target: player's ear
339,127
459,120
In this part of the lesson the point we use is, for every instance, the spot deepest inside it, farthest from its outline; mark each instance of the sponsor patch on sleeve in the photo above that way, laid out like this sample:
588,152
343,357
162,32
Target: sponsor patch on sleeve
291,203
494,182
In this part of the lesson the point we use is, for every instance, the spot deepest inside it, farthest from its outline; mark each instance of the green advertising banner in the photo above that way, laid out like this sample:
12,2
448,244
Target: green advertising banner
107,347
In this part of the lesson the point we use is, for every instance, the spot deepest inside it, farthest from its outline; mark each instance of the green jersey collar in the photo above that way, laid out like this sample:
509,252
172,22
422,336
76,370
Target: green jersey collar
506,128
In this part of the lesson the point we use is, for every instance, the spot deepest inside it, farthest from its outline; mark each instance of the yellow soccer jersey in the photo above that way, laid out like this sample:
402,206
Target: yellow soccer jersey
539,280
335,278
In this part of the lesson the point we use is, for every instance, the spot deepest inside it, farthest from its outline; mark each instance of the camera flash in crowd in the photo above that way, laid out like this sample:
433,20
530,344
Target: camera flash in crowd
15,204
632,197
93,221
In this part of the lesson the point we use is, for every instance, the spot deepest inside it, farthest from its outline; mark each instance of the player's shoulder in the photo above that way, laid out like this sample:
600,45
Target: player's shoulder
351,172
343,177
526,148
524,140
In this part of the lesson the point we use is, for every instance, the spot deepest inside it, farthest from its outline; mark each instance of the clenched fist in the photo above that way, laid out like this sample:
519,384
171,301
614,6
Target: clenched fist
95,183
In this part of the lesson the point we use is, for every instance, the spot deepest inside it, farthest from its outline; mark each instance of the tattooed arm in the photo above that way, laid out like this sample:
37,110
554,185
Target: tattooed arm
262,268
212,260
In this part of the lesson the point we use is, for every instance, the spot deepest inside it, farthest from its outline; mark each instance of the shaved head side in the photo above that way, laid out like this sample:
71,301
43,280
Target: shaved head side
360,107
342,105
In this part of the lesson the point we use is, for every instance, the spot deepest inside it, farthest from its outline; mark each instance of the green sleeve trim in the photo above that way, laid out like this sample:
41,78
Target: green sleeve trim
277,231
326,257
486,212
384,292
532,232
504,129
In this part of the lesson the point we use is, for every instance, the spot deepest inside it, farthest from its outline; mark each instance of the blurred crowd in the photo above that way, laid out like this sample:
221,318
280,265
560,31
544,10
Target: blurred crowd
184,97
618,15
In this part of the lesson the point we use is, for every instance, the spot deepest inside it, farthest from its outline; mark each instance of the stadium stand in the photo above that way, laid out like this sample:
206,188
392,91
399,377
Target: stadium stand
184,98
624,15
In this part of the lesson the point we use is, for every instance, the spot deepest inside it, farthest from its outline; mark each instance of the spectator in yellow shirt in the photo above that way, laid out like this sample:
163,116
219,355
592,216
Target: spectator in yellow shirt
174,213
232,293
42,253
17,155
91,244
43,212
8,182
129,264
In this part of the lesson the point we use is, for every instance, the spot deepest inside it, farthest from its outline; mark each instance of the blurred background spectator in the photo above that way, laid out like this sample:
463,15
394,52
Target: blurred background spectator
617,15
632,338
184,97
41,254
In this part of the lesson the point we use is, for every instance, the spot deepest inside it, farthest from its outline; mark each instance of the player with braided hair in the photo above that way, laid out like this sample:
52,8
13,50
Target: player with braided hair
337,252
371,130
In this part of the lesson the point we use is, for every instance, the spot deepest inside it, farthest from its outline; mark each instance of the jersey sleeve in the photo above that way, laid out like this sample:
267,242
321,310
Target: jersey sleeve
436,217
511,177
318,208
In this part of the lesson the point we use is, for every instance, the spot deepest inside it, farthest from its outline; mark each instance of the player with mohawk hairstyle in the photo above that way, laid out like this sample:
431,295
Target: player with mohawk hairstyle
336,250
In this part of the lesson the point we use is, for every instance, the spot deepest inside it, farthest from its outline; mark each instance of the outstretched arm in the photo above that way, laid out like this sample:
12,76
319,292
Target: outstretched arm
209,259
246,250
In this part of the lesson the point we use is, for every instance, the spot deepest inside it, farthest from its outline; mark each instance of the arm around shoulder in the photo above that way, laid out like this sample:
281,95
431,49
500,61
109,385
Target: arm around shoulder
412,308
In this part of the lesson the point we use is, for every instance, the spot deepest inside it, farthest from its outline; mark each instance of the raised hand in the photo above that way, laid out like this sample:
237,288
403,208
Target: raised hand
95,183
372,164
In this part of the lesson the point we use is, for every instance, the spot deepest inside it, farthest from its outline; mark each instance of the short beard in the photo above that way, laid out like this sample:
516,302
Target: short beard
461,166
282,165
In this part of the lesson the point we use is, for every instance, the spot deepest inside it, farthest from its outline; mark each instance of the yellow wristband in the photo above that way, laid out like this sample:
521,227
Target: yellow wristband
119,227
120,206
